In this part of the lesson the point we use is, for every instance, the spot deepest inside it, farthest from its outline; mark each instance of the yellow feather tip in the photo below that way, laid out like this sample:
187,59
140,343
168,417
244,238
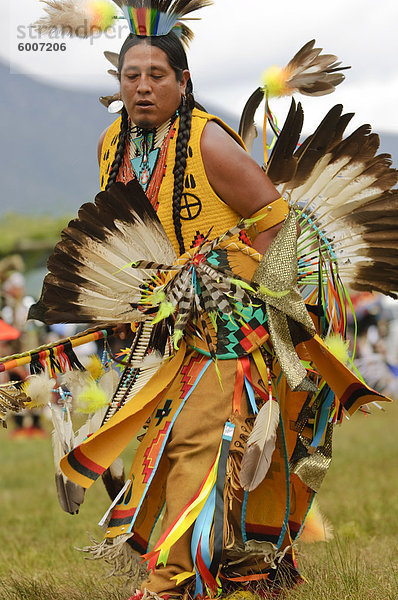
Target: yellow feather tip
103,14
274,81
157,297
95,367
165,310
338,347
91,399
177,336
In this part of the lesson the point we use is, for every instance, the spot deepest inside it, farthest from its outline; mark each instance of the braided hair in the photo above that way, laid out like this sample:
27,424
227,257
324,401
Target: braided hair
184,133
124,127
177,58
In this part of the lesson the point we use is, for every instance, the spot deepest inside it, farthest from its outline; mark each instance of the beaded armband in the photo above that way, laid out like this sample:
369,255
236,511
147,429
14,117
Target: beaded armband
267,217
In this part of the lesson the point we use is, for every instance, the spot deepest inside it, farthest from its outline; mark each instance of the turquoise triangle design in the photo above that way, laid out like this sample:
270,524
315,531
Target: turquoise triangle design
143,171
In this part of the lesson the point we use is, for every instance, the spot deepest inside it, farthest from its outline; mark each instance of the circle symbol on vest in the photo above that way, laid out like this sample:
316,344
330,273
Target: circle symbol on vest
190,207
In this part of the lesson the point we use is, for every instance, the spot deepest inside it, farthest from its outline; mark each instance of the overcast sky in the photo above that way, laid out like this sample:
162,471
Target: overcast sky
235,41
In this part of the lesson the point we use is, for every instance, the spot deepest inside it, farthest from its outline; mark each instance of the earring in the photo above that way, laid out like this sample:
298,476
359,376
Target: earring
183,100
116,106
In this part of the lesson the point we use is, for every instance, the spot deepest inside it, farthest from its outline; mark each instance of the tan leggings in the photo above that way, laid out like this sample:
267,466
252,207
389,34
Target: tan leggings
191,450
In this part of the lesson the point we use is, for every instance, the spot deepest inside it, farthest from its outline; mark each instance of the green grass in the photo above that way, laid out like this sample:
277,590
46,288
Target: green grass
38,560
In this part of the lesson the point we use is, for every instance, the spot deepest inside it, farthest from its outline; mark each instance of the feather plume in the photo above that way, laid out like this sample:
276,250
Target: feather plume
154,359
85,17
39,389
70,495
309,72
94,366
260,446
80,19
108,383
283,163
91,399
338,347
75,381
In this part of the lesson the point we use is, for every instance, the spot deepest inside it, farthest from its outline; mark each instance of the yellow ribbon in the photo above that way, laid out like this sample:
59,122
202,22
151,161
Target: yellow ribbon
189,515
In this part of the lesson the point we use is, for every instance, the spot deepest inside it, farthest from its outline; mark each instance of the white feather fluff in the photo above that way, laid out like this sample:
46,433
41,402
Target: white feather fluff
39,389
260,446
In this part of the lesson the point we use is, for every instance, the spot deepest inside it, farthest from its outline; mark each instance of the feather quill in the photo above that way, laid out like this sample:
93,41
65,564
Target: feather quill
260,446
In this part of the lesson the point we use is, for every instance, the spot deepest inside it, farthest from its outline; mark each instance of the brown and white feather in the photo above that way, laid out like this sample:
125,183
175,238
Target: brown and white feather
260,446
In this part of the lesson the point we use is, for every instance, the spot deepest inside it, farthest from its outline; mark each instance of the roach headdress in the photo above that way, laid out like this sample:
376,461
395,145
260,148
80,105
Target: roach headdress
144,17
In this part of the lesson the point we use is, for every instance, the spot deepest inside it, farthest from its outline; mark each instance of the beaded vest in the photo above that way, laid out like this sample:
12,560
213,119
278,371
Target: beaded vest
201,208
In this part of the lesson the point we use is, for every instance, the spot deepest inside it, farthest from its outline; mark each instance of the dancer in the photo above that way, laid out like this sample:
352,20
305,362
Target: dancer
240,391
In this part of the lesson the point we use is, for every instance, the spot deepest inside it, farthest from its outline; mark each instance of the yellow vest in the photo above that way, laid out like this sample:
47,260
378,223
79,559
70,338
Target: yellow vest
201,208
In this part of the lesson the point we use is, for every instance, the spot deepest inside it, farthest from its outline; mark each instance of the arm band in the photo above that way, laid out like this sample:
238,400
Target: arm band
268,216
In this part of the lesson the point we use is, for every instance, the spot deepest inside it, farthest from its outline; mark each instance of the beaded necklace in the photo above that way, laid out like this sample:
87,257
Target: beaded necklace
145,157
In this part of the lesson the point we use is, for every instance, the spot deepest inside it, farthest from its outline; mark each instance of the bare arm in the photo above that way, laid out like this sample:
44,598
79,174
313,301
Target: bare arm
237,178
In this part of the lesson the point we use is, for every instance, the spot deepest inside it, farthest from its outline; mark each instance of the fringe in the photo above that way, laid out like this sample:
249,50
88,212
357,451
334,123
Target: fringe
231,494
148,595
121,558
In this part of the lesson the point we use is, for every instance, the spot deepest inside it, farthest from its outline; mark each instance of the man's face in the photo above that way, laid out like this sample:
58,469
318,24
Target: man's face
148,86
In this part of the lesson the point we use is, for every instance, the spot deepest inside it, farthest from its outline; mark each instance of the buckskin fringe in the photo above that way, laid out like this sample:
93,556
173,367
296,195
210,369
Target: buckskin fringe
121,558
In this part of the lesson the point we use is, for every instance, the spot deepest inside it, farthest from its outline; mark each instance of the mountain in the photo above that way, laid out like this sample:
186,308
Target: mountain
48,156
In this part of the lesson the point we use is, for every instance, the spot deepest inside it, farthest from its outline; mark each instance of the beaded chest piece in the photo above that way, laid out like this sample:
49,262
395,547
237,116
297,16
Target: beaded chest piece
145,145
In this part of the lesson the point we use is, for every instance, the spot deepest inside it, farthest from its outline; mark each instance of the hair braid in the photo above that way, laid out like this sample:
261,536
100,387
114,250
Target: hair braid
124,126
184,133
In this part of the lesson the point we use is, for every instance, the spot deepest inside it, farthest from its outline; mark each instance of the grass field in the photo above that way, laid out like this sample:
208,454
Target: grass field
38,560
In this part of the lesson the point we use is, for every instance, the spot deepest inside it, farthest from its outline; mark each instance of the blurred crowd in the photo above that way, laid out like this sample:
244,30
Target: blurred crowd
376,349
17,335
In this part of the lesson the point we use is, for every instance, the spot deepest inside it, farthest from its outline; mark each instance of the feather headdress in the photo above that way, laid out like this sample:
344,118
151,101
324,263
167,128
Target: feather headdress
144,17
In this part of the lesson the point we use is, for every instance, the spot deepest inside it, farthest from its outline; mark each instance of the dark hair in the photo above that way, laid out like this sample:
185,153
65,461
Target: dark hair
177,58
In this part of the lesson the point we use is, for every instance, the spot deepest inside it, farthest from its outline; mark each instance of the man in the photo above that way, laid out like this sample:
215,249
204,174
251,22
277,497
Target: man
154,80
233,495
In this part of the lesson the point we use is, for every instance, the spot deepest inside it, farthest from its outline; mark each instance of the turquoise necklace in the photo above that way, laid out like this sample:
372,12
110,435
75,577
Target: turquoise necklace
145,147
